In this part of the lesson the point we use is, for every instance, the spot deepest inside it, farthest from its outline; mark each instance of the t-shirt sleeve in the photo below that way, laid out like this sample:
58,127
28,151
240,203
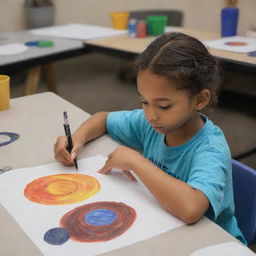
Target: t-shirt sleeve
210,173
126,127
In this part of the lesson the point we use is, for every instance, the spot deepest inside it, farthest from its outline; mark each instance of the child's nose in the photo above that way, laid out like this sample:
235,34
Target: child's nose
152,116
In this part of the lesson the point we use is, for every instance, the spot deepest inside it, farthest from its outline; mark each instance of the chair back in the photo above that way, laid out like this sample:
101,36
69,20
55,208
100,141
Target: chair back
175,17
244,186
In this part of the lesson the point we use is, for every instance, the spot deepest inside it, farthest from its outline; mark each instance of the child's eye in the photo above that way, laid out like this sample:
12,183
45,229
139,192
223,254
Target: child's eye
143,103
165,107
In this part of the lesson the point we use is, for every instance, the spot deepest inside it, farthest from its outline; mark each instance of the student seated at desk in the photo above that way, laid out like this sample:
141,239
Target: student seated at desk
185,161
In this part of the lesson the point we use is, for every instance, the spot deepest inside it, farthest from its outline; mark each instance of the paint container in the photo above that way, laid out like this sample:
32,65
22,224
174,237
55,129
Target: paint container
141,29
157,24
120,20
4,92
132,31
229,21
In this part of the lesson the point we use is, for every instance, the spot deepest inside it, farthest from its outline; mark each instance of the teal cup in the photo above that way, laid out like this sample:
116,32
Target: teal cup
156,24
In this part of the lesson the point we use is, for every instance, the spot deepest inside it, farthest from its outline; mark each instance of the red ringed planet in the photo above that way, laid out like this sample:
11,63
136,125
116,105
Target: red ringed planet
99,221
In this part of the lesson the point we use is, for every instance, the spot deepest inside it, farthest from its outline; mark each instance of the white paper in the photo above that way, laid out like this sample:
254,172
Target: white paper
36,219
224,249
12,49
171,29
226,44
78,31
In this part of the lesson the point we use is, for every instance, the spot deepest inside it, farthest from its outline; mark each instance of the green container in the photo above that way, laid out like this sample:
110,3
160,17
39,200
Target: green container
156,24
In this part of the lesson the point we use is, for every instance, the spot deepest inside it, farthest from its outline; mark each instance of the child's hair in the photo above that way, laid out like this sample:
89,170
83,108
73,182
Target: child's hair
185,61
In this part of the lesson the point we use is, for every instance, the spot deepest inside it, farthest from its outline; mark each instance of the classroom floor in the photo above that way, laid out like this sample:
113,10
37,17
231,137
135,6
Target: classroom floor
91,83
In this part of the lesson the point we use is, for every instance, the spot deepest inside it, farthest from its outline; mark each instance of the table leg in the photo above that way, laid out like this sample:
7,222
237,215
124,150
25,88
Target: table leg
32,80
50,77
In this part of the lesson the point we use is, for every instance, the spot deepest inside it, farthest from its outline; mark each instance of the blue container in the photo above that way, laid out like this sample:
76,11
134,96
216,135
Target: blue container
229,21
132,28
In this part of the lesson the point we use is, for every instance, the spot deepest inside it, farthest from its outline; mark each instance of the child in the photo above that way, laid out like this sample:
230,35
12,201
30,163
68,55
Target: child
185,161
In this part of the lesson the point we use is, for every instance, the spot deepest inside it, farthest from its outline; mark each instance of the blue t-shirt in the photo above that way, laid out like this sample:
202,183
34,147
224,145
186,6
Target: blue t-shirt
203,162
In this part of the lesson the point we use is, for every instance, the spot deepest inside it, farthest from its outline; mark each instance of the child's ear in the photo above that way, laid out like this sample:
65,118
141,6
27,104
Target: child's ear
203,99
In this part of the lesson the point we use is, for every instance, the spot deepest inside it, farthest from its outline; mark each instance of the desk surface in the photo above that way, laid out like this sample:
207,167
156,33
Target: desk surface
120,45
35,147
134,46
63,48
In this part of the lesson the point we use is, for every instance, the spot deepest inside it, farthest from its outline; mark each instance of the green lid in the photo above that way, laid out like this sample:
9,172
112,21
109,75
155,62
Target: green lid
46,43
157,18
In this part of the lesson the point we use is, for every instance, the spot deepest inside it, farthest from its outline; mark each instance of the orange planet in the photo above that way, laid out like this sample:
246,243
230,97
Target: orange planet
62,189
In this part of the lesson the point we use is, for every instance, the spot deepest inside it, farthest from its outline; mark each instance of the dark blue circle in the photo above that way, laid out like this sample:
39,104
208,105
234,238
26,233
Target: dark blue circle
12,137
56,236
100,217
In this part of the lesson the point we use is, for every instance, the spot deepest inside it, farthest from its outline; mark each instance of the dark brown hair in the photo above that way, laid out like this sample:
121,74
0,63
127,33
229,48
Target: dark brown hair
185,61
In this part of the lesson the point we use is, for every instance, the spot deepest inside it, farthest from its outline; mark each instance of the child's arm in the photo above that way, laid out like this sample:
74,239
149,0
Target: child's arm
179,198
91,128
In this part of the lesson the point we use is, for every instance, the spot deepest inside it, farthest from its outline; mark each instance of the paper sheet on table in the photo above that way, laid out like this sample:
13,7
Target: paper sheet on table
233,44
78,31
224,249
36,219
169,29
12,49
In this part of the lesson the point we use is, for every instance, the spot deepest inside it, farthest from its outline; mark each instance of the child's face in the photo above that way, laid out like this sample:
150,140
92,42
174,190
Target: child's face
166,108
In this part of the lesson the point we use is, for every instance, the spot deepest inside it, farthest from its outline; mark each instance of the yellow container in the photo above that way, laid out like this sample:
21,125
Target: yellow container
4,92
120,20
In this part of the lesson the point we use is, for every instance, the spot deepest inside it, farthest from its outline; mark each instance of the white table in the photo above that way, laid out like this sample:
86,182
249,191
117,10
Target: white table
37,57
38,119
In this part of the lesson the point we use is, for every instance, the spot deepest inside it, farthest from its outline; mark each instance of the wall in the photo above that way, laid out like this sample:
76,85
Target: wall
202,14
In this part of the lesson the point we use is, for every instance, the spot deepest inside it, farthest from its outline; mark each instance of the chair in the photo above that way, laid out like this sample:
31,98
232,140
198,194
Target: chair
244,186
175,17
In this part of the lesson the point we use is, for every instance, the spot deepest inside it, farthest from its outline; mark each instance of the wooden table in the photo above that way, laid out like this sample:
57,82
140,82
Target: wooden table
38,120
127,47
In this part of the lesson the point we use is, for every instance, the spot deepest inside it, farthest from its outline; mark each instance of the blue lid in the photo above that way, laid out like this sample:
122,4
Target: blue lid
32,43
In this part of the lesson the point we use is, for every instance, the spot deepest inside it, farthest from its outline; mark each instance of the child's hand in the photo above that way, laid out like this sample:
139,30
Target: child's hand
61,153
122,158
